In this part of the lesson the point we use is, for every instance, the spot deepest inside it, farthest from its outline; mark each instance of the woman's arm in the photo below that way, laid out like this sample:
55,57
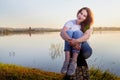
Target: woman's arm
64,35
84,38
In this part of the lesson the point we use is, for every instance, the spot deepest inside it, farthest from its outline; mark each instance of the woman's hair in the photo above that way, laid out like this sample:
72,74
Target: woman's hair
88,21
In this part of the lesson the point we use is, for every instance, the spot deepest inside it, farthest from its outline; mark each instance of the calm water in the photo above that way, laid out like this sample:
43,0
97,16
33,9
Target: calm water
45,51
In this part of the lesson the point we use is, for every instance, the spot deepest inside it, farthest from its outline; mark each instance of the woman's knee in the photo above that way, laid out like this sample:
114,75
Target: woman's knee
77,34
87,54
86,50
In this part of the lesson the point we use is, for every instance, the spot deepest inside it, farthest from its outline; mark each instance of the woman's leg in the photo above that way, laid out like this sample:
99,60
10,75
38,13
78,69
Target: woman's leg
86,50
76,34
67,49
73,63
82,72
85,53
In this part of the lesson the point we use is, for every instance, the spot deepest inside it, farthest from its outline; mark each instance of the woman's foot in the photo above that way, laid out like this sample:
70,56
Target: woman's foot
72,68
65,67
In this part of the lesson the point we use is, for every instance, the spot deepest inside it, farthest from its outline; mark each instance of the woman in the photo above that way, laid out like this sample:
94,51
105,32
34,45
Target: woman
84,20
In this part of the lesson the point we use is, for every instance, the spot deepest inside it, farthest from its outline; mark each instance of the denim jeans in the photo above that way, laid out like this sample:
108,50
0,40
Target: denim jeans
85,53
72,34
86,50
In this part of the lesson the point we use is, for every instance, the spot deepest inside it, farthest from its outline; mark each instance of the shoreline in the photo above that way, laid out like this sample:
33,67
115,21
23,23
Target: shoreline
16,72
53,29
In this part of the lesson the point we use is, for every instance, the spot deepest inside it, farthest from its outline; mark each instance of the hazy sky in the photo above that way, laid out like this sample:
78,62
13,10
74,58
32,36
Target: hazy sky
54,13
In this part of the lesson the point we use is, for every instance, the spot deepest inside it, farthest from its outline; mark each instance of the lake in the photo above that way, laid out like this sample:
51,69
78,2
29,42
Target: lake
45,50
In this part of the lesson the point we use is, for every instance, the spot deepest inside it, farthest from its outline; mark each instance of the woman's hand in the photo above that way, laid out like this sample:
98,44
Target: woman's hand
73,42
77,47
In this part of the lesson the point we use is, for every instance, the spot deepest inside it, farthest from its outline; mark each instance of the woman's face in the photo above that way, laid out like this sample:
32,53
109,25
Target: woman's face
82,16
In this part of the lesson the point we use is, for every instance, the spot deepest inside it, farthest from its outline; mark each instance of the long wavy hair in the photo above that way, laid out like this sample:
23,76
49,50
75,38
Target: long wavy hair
86,24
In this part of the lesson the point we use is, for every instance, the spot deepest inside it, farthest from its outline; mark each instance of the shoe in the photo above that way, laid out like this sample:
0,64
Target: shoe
72,68
65,67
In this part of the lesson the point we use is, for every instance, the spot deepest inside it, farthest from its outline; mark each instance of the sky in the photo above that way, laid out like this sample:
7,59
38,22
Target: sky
54,13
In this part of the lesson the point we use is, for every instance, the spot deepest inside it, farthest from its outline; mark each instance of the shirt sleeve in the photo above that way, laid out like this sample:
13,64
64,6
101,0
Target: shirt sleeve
68,24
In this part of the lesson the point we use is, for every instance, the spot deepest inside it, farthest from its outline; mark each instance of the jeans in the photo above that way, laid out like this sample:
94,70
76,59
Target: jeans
86,50
72,34
85,53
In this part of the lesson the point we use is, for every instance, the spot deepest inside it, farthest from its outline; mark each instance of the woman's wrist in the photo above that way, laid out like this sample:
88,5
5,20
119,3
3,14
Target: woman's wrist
78,41
69,39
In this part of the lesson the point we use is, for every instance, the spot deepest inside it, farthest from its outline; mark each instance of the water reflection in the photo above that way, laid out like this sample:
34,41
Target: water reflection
45,50
11,54
56,50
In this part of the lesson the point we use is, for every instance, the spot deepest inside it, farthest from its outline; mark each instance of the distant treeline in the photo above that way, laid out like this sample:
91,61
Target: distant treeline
106,28
26,30
29,29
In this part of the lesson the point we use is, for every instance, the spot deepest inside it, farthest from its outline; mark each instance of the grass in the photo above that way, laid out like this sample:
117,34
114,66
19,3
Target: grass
97,74
14,72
